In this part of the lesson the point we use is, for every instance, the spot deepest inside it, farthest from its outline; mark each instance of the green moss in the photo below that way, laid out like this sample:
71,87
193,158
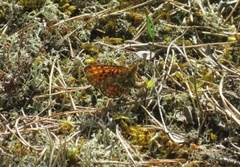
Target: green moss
30,5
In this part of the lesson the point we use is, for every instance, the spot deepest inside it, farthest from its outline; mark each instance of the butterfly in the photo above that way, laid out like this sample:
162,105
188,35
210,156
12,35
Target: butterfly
113,81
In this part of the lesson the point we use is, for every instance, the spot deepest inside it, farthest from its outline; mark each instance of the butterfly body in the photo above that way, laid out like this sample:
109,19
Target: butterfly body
113,81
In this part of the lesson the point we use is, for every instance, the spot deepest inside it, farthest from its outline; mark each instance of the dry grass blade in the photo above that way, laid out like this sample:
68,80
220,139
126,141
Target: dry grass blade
127,147
231,111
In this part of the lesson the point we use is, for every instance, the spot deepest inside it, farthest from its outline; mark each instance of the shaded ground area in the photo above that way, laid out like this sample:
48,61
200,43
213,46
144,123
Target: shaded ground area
119,83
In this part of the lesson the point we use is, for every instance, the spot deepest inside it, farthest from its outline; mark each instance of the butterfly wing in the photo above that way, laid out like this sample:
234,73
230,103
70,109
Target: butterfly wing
112,89
111,80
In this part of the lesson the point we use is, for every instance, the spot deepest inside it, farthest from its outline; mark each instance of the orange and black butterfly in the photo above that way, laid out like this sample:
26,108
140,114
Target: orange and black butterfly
113,81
